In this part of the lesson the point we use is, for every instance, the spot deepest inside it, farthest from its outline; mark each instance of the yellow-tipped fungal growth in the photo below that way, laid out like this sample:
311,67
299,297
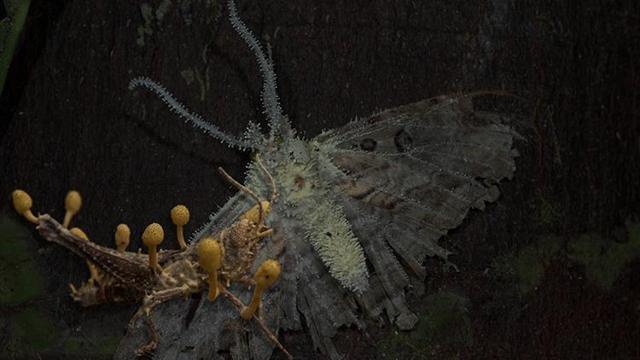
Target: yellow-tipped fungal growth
180,217
210,259
22,203
92,268
253,214
152,237
72,203
265,276
122,237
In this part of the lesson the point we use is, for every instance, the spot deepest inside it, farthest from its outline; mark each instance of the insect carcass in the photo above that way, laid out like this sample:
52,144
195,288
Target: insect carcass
359,208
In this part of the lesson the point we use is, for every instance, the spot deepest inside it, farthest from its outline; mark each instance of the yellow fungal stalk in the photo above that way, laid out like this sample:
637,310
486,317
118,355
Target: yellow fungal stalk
22,203
122,237
72,203
92,268
152,237
180,217
265,276
210,255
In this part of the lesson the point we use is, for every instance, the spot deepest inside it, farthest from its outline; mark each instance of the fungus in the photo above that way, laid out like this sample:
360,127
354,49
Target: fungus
122,237
72,203
180,217
152,237
22,203
210,255
265,276
253,214
92,267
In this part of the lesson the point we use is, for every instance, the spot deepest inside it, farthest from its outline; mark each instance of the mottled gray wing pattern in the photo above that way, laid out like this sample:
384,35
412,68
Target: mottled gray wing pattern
410,174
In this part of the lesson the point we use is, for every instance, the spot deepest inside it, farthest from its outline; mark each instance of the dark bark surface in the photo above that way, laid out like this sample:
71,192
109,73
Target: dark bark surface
76,126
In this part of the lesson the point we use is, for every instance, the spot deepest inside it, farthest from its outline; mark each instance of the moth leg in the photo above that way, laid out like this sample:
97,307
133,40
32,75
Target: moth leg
148,349
156,298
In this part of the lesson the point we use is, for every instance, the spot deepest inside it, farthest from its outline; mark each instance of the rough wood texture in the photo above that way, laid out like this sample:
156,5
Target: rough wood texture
77,127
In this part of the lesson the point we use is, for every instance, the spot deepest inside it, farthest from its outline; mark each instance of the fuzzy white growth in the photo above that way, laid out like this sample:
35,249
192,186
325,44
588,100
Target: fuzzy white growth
324,222
331,237
195,119
270,99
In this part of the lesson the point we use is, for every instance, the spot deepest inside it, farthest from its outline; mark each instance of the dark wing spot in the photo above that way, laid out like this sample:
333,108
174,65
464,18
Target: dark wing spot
403,141
368,144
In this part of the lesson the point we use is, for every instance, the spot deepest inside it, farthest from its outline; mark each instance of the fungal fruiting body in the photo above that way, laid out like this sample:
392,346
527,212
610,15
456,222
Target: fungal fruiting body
180,217
152,237
121,276
210,258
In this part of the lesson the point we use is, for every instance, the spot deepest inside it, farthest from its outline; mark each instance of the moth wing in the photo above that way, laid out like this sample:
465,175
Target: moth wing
408,175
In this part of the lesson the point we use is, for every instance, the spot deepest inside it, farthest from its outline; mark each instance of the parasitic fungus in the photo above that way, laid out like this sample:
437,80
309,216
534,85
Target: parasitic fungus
152,237
72,204
210,255
22,203
122,236
180,217
265,276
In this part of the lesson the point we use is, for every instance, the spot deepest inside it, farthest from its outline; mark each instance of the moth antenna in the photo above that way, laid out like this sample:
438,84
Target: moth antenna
268,174
245,189
195,119
270,99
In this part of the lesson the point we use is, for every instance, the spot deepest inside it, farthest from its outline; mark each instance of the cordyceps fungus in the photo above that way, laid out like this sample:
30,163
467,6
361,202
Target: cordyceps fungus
210,259
152,237
122,237
22,203
72,204
180,217
265,276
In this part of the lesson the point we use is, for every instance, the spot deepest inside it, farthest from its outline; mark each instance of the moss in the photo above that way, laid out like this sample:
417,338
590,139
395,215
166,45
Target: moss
604,259
73,345
526,267
20,280
10,29
444,323
107,345
34,329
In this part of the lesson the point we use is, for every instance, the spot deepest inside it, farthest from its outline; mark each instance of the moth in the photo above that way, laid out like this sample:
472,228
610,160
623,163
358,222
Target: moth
358,210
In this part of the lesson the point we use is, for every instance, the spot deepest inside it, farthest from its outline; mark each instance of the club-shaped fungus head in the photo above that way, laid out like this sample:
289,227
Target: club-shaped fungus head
122,237
152,237
180,217
79,233
22,203
72,204
265,276
210,259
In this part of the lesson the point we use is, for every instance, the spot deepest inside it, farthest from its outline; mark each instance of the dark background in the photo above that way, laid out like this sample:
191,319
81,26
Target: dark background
69,122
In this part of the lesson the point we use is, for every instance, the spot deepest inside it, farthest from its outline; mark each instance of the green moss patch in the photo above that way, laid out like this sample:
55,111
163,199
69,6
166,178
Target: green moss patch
20,280
444,323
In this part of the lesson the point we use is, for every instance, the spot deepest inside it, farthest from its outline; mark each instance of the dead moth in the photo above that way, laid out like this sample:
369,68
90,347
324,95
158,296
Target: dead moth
358,209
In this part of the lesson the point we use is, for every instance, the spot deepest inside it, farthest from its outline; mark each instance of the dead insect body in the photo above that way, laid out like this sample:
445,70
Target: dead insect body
120,276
